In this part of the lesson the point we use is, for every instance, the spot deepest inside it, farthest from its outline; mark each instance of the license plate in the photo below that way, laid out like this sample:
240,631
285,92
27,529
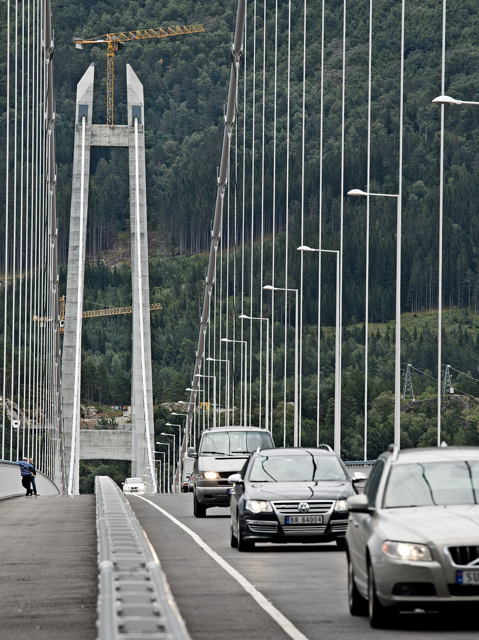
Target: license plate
228,491
467,577
303,519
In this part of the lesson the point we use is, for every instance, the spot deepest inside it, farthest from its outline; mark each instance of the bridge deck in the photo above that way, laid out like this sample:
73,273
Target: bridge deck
48,573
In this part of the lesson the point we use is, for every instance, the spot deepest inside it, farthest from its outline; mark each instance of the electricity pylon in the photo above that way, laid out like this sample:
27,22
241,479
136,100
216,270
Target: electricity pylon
407,389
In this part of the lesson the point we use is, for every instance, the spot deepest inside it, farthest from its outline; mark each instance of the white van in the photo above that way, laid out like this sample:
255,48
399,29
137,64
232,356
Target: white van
222,452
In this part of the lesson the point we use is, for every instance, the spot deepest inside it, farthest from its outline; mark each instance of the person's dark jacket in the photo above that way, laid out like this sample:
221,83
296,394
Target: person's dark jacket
26,469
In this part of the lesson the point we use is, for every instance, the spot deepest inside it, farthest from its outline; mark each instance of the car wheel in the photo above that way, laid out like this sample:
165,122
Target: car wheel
233,538
358,606
244,545
341,543
378,615
198,509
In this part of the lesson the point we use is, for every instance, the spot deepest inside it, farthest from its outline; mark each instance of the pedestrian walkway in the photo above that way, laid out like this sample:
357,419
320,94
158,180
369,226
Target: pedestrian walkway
48,572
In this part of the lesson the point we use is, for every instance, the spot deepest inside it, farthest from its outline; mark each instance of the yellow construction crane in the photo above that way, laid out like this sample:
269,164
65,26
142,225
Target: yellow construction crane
96,313
114,42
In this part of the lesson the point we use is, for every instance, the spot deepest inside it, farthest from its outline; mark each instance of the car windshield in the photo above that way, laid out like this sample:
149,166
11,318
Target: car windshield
434,483
133,481
234,442
296,468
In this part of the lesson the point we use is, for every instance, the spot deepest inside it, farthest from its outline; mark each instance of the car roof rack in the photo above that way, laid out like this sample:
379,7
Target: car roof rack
325,446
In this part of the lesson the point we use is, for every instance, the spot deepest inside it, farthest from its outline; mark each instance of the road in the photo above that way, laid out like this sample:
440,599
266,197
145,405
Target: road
306,584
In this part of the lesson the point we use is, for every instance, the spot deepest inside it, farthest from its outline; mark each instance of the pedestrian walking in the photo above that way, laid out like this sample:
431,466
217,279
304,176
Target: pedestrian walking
34,478
26,472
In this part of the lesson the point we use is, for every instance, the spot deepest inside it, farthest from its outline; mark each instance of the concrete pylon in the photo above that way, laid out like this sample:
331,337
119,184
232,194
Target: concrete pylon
75,278
142,386
86,136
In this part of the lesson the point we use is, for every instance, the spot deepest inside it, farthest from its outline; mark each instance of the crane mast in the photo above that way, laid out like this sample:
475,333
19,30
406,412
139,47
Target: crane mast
114,42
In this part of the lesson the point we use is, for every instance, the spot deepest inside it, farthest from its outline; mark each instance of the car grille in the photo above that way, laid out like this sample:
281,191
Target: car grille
339,526
226,474
315,506
262,526
463,556
303,529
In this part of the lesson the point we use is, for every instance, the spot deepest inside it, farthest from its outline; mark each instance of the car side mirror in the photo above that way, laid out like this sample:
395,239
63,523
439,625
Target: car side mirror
235,479
358,476
358,504
191,453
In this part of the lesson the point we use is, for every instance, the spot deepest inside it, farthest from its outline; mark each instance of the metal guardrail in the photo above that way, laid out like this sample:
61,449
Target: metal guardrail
134,600
360,463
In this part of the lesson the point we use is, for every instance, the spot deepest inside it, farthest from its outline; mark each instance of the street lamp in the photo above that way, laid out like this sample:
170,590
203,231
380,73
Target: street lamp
168,424
266,418
227,386
397,375
270,287
162,453
166,444
442,100
449,100
245,372
337,365
202,375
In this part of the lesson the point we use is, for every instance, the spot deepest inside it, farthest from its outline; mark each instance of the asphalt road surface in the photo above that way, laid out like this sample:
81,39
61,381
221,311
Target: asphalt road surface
306,584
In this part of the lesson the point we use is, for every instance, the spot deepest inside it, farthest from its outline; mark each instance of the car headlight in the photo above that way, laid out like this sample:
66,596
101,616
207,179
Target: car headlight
211,475
407,551
341,505
256,506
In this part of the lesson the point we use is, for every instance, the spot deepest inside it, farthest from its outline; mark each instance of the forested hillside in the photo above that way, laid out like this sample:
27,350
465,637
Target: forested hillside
185,81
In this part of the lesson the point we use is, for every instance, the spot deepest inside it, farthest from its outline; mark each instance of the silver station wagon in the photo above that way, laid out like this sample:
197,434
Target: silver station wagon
413,536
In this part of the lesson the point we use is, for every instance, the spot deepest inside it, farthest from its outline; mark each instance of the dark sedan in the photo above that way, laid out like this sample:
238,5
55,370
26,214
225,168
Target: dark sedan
290,495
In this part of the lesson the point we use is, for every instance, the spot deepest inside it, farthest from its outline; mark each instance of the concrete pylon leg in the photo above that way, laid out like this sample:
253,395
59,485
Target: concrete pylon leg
75,279
142,387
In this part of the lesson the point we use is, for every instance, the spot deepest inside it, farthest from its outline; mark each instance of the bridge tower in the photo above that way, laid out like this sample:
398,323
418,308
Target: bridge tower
131,136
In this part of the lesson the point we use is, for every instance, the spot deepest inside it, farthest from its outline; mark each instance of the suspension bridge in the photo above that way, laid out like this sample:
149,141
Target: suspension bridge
255,334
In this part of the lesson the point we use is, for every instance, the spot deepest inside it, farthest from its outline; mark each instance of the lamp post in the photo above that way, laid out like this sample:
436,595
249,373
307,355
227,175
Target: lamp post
337,366
245,374
227,386
202,375
397,366
266,417
172,435
166,444
270,287
442,100
177,460
162,453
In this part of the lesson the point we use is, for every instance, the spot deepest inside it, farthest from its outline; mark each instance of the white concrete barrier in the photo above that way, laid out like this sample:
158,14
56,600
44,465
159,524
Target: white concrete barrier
11,481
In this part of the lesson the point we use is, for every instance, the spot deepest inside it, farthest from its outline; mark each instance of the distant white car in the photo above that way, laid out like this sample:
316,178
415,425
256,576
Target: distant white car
134,485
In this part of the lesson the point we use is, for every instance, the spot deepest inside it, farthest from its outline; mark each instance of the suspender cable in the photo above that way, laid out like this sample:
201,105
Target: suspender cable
441,215
321,113
7,187
300,328
337,424
274,204
253,123
266,385
397,366
236,55
368,182
287,229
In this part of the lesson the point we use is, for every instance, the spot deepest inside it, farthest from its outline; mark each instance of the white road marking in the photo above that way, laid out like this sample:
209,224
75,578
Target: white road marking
285,624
